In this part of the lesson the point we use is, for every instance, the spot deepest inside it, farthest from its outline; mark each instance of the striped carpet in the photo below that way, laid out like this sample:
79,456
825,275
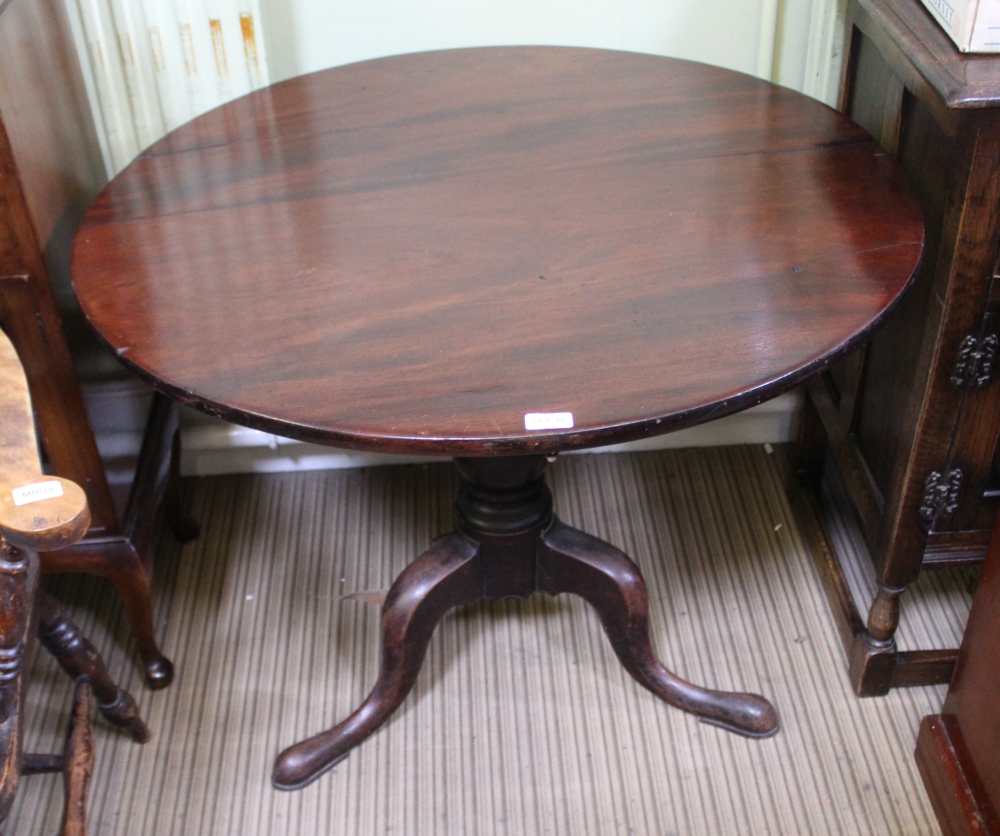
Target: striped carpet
522,721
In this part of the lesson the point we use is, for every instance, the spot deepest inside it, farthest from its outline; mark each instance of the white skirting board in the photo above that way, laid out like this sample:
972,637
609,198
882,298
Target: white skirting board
212,447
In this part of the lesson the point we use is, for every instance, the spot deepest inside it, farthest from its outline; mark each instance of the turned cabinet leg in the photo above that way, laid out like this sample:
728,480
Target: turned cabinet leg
78,657
445,576
873,656
883,617
575,562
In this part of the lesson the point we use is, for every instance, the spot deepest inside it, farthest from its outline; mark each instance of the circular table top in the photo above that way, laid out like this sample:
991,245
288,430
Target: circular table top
412,254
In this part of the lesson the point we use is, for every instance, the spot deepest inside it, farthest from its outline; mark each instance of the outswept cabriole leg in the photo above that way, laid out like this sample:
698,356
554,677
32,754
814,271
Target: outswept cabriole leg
572,561
135,587
78,657
446,575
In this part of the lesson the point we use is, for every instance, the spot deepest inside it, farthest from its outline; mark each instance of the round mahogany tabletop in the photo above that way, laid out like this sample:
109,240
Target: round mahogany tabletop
411,254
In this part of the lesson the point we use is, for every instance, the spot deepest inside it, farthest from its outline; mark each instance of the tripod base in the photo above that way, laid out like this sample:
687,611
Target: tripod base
509,544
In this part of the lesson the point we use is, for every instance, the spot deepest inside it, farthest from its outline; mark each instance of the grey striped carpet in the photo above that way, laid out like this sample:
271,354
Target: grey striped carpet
522,721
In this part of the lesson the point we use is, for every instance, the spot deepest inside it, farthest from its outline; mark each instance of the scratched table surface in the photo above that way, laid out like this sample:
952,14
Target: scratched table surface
411,254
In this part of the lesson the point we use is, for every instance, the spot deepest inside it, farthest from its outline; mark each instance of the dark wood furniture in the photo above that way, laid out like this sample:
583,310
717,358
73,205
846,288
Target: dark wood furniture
958,751
420,254
39,514
50,167
911,419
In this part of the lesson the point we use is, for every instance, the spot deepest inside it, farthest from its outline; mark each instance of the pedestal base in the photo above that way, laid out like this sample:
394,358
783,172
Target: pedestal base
508,543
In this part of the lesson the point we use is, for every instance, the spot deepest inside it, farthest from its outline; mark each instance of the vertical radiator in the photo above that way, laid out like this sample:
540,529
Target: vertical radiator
151,65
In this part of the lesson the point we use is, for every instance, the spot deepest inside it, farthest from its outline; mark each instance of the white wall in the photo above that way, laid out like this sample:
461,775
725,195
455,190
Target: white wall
784,40
306,35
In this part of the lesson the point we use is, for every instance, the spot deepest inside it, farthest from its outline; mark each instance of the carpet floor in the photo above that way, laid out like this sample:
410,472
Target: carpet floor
522,721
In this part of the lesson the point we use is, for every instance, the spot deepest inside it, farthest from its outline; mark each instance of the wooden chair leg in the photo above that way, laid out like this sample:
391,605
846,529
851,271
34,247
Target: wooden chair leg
156,485
134,585
118,560
184,527
78,762
78,657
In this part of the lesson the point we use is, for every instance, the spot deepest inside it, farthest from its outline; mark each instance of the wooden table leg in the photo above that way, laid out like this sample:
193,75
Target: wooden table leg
509,544
572,561
444,576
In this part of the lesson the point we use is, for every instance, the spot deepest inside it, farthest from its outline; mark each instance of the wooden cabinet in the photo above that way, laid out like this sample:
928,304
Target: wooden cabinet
908,426
958,750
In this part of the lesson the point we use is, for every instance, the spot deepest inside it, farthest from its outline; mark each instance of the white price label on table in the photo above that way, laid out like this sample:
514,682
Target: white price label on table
548,420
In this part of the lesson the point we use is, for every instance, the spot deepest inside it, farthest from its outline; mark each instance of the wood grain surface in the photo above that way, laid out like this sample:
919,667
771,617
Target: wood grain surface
61,515
411,253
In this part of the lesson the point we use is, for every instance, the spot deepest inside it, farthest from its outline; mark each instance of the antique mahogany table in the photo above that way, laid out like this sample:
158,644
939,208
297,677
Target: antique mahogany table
499,255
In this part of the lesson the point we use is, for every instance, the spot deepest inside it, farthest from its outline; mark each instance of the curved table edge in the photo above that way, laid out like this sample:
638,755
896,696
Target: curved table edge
540,443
